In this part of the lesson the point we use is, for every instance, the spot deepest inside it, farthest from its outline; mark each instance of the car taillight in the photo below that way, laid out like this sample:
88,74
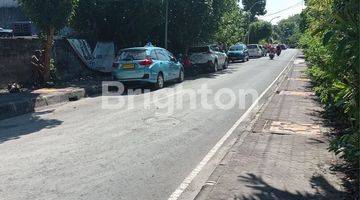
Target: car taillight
187,62
146,62
115,65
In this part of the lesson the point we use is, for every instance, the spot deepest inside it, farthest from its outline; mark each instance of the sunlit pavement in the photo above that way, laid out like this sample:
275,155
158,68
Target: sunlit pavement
285,155
81,151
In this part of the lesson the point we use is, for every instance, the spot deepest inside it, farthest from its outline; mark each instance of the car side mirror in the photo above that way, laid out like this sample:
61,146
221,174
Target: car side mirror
173,59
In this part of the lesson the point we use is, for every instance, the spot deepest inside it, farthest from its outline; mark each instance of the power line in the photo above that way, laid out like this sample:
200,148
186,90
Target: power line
288,8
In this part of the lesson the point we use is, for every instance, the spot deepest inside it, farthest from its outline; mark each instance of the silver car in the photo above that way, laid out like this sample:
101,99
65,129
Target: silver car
254,51
209,57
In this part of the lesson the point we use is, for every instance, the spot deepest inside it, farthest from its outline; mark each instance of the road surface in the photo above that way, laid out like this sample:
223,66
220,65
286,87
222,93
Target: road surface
82,151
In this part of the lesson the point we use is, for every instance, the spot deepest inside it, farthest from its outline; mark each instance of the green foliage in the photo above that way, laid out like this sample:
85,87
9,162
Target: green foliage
125,21
288,30
254,7
55,76
48,13
133,23
331,44
49,16
231,28
260,30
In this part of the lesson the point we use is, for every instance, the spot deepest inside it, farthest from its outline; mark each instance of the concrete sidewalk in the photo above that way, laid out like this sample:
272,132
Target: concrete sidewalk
285,155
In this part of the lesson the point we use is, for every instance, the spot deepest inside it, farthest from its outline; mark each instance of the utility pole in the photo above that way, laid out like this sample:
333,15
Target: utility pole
166,22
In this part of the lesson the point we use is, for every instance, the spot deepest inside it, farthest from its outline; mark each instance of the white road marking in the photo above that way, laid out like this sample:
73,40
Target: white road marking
187,181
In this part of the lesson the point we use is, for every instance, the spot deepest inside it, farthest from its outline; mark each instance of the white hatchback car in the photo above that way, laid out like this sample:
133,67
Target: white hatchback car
254,51
209,57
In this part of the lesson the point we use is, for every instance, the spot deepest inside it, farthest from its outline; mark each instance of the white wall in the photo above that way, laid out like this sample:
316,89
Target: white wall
8,3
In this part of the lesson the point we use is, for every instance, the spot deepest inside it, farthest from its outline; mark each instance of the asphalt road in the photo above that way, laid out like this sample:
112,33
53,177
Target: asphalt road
82,151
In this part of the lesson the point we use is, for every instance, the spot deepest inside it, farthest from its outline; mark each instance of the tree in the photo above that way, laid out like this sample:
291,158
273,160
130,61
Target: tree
255,7
232,27
260,30
133,23
288,30
49,16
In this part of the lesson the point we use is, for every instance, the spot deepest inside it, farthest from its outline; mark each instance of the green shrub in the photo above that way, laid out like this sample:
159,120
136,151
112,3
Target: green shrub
331,45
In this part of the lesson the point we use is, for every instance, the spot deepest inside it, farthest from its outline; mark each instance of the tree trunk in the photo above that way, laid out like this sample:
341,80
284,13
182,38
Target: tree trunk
47,57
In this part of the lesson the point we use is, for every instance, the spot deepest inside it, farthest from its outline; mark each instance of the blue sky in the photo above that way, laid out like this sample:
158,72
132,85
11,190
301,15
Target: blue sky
272,6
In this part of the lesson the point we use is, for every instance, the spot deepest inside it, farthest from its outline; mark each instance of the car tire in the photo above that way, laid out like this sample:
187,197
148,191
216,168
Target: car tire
159,82
181,76
215,67
226,64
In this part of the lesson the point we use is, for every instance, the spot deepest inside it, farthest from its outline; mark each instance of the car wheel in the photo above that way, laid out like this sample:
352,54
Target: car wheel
181,76
159,82
215,67
226,64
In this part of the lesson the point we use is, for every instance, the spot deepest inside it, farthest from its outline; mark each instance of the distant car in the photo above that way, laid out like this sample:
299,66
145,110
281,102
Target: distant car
152,65
254,51
238,52
209,57
263,50
6,32
293,46
283,46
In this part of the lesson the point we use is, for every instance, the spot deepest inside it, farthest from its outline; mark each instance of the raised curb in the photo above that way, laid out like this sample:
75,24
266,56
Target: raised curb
28,105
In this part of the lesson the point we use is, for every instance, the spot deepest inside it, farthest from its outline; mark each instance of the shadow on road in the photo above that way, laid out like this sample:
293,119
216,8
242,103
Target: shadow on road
229,70
145,87
14,128
265,191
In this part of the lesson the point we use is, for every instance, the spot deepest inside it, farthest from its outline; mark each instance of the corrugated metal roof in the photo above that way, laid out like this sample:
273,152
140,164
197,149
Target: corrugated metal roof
8,3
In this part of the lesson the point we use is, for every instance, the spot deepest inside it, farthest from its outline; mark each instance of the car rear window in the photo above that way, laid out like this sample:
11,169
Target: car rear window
252,46
132,54
198,49
236,48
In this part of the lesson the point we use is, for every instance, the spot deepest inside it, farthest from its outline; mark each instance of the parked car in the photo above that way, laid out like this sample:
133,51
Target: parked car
254,51
189,68
283,46
263,50
6,32
209,57
238,52
152,65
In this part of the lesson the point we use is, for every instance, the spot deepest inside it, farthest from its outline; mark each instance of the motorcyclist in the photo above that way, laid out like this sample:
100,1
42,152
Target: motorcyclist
272,51
278,50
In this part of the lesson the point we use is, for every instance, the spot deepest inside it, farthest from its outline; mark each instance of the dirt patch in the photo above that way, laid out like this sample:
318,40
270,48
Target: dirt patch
279,127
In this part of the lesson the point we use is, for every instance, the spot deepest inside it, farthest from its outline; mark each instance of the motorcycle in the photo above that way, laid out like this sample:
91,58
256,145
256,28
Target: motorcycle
278,51
271,55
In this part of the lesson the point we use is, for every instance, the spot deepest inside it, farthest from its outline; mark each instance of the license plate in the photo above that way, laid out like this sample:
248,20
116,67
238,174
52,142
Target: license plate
128,66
